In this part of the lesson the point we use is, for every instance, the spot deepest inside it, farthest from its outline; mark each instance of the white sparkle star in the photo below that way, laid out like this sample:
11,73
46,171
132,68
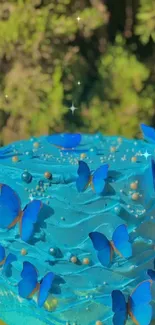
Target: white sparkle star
72,108
78,19
31,197
146,154
123,158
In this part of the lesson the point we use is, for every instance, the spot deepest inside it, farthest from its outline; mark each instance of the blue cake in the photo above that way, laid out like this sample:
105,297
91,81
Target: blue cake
47,169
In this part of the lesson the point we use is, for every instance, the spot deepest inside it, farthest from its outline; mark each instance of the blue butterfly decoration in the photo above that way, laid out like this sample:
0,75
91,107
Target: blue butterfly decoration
151,273
29,284
153,171
137,307
148,132
106,248
4,151
5,261
65,141
10,207
96,180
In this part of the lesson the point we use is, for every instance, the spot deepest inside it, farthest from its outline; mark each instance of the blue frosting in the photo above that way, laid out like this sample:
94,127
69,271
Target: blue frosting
67,217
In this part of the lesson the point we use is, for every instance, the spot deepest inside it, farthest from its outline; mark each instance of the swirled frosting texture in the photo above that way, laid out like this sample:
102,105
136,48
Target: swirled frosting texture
83,292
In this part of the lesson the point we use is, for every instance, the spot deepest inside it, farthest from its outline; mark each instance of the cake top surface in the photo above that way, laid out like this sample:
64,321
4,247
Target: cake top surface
36,169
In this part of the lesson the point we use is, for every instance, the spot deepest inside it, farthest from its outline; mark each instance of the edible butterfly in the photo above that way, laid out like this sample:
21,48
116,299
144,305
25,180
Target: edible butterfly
153,172
151,273
4,151
5,261
137,307
11,212
65,141
148,132
96,179
29,285
106,248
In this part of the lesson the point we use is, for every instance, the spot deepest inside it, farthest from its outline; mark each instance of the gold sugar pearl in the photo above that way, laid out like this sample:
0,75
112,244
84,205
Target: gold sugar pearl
134,185
74,259
47,175
98,322
15,159
112,149
86,261
83,155
135,196
36,145
23,251
134,159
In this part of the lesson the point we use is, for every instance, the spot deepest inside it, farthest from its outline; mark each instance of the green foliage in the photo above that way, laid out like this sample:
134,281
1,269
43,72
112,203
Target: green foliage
146,21
126,98
45,50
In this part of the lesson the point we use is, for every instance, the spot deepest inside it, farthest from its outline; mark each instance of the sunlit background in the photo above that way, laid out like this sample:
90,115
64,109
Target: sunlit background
93,55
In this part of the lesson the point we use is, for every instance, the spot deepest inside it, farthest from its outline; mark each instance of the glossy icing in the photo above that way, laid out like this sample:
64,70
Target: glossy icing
82,292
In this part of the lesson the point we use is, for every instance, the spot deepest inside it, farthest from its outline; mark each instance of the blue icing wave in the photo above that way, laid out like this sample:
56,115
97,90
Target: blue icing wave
83,291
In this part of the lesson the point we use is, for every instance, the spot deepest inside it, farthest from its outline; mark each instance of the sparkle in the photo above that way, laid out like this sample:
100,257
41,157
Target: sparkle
79,83
123,158
78,18
73,108
146,154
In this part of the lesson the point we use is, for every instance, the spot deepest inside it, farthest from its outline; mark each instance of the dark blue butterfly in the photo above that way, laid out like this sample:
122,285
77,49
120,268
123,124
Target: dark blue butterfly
137,307
11,212
148,132
106,248
96,179
29,284
5,261
4,151
151,273
65,141
153,171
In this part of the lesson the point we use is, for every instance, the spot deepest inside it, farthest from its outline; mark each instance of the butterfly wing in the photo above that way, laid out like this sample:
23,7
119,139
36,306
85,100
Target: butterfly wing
29,218
153,171
142,293
29,270
120,239
148,132
98,178
102,246
84,176
139,303
29,280
142,314
66,141
2,255
10,258
4,151
119,307
151,274
26,287
10,206
45,286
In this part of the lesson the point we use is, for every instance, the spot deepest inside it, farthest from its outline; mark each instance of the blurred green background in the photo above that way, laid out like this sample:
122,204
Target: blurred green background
103,62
